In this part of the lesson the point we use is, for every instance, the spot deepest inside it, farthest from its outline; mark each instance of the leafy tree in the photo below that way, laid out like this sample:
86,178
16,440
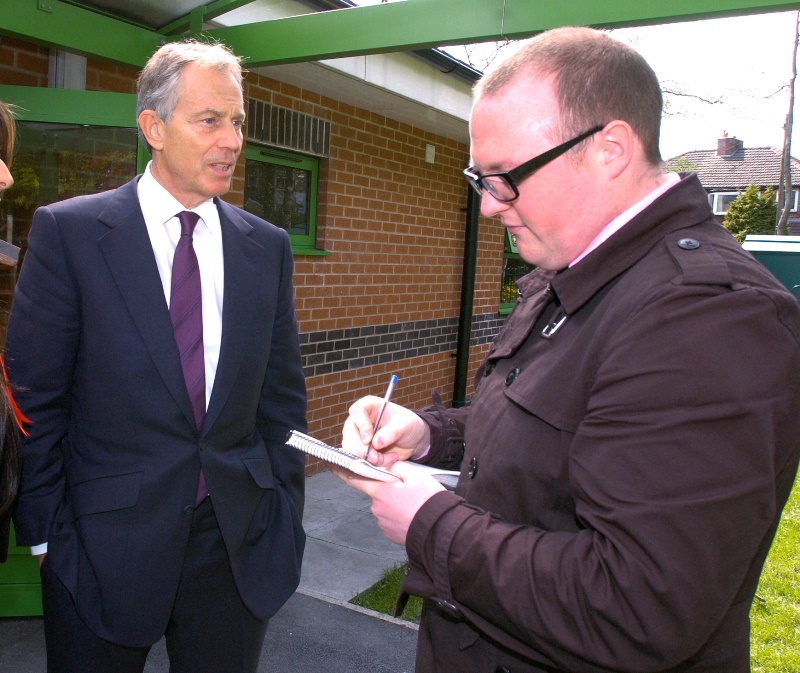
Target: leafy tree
752,212
679,164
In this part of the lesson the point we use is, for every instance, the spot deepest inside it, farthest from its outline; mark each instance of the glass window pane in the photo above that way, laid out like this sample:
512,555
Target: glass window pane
725,201
513,269
278,194
53,162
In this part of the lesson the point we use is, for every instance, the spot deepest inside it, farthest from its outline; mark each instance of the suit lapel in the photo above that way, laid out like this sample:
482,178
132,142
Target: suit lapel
129,254
240,255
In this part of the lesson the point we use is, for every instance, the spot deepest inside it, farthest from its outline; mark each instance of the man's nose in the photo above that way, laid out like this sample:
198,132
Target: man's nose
490,206
231,137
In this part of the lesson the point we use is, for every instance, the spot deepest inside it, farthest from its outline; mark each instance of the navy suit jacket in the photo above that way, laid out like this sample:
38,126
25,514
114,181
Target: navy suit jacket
112,462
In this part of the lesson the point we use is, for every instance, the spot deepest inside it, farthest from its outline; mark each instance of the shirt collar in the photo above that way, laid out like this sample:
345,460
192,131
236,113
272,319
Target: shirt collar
159,206
622,219
680,207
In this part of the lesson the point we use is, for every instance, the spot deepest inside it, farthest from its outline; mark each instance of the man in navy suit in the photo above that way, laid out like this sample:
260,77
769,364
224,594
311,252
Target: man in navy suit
159,517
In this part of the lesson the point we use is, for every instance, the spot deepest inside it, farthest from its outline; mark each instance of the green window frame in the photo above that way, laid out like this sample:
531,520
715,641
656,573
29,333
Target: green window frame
514,267
68,106
296,178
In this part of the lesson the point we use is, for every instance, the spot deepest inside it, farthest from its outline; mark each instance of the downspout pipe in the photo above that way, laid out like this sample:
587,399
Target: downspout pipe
473,211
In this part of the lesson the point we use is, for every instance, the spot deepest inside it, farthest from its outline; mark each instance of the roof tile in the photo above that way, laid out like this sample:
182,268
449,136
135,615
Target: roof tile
757,165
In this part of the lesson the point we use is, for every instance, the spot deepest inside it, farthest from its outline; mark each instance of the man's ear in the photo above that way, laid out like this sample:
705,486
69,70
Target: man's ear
152,128
618,145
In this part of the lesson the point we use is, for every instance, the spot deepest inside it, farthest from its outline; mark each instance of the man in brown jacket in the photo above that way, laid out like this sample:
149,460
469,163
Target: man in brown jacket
634,432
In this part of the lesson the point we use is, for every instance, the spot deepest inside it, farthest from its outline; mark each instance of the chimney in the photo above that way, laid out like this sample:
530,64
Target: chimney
727,146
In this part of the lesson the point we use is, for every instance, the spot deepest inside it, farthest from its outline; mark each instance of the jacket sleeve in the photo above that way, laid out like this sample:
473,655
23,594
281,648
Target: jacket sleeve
283,397
679,472
447,434
40,352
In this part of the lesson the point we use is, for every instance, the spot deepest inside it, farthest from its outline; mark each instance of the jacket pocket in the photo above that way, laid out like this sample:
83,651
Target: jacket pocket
106,494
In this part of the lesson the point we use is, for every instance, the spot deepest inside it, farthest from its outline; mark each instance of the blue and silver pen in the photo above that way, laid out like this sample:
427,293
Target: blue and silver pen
386,398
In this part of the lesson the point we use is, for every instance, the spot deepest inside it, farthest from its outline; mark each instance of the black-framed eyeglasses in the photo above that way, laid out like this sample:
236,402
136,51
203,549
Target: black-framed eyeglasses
503,186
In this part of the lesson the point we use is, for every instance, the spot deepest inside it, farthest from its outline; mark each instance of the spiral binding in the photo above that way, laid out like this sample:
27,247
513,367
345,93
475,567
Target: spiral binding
321,450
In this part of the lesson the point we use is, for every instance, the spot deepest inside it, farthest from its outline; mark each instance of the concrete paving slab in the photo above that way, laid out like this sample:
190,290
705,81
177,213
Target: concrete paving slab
360,531
337,572
322,512
327,487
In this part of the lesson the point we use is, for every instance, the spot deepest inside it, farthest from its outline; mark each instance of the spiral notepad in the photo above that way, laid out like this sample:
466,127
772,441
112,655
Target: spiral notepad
359,466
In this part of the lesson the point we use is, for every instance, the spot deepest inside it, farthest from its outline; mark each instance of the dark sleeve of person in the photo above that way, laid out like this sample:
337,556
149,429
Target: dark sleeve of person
40,352
283,397
447,434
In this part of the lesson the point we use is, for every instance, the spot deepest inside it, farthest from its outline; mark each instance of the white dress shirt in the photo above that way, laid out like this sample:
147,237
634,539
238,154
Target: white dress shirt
160,208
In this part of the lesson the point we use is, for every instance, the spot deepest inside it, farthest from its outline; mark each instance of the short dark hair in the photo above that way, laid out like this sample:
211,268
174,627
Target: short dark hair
597,79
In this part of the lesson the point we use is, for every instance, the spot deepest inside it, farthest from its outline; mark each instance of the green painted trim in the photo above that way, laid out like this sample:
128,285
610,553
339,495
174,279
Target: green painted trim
210,12
69,106
313,252
21,600
301,244
381,28
420,24
20,586
75,29
510,245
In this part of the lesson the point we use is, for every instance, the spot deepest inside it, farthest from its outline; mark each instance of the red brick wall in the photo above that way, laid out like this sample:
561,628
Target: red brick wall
101,76
393,225
26,64
22,63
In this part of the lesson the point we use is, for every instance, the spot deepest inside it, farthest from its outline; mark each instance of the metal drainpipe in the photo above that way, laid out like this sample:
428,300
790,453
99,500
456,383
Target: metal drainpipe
467,296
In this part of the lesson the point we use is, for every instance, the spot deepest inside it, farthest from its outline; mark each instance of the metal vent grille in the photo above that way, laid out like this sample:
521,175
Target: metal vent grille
280,127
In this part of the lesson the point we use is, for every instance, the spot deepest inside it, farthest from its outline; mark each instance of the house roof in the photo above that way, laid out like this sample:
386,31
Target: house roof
760,166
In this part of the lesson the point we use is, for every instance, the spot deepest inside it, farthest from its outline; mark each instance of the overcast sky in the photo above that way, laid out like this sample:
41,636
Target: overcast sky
743,63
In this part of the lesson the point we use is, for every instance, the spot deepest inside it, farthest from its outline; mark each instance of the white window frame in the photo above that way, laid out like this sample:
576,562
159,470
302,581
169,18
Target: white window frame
794,203
714,200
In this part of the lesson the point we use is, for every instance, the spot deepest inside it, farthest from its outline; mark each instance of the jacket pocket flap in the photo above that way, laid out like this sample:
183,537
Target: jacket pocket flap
106,494
535,393
261,471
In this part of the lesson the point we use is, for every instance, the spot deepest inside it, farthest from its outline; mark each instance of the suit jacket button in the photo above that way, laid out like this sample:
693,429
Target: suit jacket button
489,368
512,376
188,509
473,468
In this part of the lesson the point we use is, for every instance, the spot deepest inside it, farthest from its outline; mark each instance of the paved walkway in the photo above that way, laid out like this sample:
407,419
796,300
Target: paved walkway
317,631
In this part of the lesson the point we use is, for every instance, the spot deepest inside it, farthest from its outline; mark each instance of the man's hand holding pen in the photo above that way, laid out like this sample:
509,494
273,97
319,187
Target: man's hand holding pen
400,435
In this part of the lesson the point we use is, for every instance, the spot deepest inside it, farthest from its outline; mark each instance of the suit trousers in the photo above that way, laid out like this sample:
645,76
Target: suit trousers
210,629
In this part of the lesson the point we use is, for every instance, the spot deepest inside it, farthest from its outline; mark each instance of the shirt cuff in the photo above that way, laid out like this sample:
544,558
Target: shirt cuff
39,549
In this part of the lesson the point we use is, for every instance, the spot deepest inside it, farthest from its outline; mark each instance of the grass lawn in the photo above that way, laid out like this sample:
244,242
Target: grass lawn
775,617
381,596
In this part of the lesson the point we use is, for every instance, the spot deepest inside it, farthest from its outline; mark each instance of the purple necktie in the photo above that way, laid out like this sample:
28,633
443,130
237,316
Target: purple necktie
186,314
